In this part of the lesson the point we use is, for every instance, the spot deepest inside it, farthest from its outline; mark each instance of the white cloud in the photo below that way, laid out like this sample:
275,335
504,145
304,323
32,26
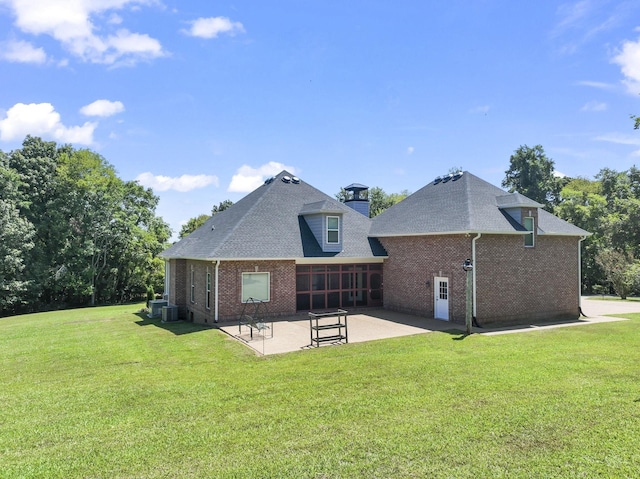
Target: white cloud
182,183
212,26
18,51
84,29
629,60
41,119
410,150
619,139
597,84
248,179
102,108
594,106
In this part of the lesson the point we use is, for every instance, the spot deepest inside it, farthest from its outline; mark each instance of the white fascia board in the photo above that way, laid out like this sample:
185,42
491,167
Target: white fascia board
450,233
341,260
310,260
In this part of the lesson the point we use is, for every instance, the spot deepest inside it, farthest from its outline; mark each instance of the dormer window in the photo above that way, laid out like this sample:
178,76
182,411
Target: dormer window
529,238
333,229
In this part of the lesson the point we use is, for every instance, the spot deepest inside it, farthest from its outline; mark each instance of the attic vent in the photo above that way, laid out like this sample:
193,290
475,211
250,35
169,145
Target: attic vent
286,179
437,180
295,180
457,176
269,180
447,178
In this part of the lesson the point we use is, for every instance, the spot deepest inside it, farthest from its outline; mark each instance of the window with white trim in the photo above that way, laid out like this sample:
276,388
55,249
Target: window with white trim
208,297
256,286
333,229
529,225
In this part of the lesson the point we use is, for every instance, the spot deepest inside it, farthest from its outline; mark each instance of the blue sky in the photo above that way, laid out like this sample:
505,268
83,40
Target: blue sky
202,100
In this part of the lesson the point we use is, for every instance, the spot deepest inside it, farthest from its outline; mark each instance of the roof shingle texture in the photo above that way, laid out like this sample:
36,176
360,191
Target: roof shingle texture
266,224
466,205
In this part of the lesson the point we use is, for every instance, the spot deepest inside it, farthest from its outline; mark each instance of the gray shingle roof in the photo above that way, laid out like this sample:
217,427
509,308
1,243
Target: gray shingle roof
266,224
466,205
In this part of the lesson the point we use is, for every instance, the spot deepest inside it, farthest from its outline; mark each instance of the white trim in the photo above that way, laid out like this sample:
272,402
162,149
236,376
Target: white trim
217,298
334,260
580,273
316,259
451,233
327,230
167,279
242,295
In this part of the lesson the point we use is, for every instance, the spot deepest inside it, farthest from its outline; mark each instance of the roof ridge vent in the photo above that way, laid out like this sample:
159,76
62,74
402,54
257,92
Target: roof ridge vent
295,180
447,178
456,176
286,179
269,180
437,180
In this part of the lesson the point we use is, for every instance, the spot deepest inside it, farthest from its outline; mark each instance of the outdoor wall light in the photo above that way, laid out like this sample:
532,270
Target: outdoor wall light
468,265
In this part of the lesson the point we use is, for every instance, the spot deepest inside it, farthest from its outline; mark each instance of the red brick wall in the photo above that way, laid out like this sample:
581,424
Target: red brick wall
414,262
283,288
514,284
177,285
519,285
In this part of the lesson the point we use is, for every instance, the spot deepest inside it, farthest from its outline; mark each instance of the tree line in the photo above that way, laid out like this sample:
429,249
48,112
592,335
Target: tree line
72,232
608,206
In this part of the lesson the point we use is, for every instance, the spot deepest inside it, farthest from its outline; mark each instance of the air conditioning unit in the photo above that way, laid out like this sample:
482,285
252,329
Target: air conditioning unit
155,307
169,313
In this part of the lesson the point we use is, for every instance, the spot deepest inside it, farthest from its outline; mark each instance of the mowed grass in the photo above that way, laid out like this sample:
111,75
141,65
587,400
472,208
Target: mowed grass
105,393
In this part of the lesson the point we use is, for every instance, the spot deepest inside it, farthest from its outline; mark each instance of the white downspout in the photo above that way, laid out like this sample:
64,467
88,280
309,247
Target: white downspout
215,313
582,238
473,272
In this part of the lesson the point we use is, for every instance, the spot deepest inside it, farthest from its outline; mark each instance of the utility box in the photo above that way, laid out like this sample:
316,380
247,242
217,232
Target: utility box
169,313
155,307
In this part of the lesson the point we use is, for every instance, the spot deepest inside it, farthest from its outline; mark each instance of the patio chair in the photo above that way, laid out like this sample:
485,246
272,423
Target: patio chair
256,320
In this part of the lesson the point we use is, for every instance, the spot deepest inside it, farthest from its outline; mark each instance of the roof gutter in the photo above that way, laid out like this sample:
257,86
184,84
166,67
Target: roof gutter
582,238
474,271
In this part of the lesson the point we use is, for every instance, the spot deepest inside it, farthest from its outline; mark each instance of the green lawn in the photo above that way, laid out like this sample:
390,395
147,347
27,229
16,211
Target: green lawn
104,393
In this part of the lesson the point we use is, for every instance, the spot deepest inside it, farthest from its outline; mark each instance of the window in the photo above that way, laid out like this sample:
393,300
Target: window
208,298
333,229
193,285
256,286
529,225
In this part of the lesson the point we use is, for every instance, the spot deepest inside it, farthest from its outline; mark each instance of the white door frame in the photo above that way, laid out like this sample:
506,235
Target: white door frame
441,294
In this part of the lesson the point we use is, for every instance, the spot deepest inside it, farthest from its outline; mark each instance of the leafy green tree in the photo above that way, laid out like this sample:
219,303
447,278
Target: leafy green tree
378,199
16,235
35,165
96,237
196,222
223,205
531,173
584,206
621,270
621,224
192,225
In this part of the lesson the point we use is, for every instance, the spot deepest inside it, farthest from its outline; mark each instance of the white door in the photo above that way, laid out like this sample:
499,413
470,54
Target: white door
441,298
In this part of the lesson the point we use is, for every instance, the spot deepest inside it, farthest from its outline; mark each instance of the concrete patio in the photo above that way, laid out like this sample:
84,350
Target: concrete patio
293,334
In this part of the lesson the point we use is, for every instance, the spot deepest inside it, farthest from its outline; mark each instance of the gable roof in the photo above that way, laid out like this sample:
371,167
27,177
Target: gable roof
268,224
466,204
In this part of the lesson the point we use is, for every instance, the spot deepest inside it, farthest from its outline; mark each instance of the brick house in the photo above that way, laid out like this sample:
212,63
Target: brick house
299,250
